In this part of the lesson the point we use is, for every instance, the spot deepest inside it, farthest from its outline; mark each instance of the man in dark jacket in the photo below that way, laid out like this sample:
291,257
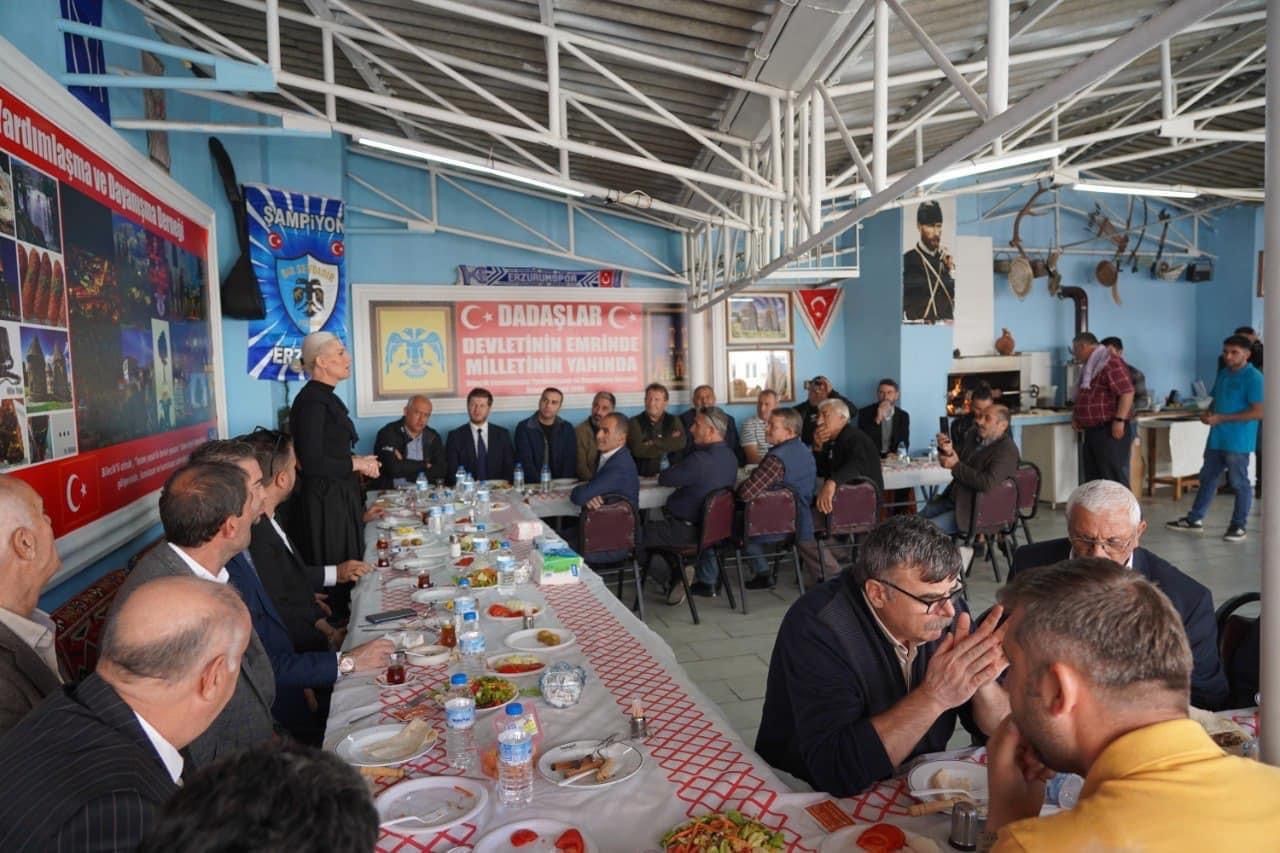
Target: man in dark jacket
704,397
408,447
863,676
1104,520
819,388
986,458
884,423
546,437
843,453
480,448
615,475
655,434
788,465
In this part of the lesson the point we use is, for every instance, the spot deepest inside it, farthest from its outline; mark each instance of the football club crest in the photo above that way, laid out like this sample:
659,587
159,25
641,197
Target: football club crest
308,290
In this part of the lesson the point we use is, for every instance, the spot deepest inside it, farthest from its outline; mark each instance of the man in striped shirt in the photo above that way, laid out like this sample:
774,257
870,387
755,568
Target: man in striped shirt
755,430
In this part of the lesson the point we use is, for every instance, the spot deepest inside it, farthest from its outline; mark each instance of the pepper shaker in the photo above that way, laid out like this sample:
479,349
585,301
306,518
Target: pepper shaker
964,826
529,618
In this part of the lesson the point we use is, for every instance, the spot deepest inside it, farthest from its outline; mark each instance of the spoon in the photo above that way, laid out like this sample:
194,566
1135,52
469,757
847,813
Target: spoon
928,792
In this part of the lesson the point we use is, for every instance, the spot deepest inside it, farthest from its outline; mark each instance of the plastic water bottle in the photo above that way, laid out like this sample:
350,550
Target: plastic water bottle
664,463
1063,790
506,564
463,603
483,505
902,452
517,477
515,759
544,479
460,478
471,646
422,484
460,721
933,450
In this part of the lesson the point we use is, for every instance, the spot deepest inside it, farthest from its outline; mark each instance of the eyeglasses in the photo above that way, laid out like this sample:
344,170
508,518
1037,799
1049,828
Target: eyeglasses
933,602
1086,545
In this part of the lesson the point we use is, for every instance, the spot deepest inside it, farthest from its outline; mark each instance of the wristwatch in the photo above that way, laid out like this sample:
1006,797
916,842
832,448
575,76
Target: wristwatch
346,664
1120,420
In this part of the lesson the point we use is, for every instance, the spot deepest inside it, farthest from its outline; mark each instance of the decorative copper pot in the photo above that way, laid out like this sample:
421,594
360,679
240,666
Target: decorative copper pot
1005,343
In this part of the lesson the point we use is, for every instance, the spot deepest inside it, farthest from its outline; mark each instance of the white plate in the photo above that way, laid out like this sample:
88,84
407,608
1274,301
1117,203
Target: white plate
629,760
499,841
431,655
974,776
353,748
405,639
846,840
526,640
529,606
490,528
514,698
494,660
427,794
413,564
560,482
434,594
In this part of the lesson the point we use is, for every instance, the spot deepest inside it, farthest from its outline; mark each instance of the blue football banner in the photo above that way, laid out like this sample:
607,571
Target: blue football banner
298,255
537,277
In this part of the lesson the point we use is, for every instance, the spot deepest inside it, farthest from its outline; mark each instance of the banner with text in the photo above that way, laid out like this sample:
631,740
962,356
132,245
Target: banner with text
299,257
537,277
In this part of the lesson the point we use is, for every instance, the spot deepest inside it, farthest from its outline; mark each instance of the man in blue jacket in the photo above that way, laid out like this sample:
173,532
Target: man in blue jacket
1104,520
546,437
615,472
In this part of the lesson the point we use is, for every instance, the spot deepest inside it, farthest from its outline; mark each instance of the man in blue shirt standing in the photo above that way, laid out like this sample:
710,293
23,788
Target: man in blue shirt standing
1237,407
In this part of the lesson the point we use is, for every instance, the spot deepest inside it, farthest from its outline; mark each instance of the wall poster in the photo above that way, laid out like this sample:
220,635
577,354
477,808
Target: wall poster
928,262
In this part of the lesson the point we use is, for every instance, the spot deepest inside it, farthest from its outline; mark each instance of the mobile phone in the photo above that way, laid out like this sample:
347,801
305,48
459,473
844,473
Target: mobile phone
390,615
944,425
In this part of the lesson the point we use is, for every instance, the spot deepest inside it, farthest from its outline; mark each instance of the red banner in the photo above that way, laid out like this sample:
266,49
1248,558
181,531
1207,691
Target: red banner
514,347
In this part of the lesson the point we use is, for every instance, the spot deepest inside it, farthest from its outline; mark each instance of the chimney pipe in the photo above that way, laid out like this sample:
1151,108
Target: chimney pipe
1081,300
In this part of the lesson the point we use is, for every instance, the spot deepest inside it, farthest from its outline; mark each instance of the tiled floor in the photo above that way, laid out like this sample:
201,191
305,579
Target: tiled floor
728,654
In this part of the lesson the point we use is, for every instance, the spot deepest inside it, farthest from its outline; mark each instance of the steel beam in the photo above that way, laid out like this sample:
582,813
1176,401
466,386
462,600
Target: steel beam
880,100
940,59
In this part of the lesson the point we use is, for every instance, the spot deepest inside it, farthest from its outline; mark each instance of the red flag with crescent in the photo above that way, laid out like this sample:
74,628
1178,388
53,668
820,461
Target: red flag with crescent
818,308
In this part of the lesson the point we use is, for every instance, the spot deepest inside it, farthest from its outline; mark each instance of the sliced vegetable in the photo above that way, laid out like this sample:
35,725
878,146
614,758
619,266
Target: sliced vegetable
521,837
728,831
570,841
882,838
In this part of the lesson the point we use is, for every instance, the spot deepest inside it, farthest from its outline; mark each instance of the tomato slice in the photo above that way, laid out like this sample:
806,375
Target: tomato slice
521,837
570,841
882,838
502,611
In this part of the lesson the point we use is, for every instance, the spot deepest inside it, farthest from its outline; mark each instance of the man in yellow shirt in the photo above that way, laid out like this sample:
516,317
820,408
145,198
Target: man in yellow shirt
1099,678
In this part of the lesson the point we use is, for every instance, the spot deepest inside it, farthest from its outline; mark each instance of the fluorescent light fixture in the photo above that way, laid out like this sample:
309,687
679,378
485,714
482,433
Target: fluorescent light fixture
1154,190
443,160
966,168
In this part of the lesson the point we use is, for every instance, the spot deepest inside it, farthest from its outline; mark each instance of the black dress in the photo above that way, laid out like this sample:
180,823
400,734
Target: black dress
326,513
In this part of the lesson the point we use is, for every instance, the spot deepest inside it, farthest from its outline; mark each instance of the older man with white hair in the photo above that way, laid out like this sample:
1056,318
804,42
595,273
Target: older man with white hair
1104,520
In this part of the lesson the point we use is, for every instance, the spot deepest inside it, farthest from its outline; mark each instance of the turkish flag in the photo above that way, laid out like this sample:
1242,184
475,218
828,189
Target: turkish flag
79,491
817,307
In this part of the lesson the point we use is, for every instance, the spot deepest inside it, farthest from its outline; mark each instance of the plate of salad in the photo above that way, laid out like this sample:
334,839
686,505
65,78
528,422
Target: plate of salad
727,830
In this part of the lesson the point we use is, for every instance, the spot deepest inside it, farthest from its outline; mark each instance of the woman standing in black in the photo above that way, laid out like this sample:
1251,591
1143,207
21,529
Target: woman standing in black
327,514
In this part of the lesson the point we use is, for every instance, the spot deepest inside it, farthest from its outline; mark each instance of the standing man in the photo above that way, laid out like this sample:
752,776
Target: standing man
585,433
884,423
547,437
408,447
1103,406
655,433
704,397
1233,435
928,290
755,440
1136,376
482,449
28,558
789,465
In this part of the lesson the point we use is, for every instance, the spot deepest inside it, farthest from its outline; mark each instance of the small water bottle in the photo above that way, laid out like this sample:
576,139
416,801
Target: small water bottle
460,721
664,463
460,478
515,759
450,516
933,450
422,484
463,603
483,506
517,477
506,564
544,479
902,452
471,646
1063,790
435,520
455,546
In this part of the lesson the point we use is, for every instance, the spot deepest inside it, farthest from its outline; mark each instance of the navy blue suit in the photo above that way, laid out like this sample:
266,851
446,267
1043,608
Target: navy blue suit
618,476
1190,598
293,670
531,448
460,449
731,439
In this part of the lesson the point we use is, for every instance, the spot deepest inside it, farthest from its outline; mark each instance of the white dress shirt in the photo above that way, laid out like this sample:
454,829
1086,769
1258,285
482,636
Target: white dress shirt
199,570
168,752
37,631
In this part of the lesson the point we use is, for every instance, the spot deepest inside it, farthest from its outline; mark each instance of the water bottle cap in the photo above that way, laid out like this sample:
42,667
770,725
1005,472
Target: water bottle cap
463,583
515,709
458,678
469,616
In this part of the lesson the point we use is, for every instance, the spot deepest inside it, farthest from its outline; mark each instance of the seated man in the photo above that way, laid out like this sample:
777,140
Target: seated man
87,769
755,443
884,423
986,457
480,448
819,388
588,454
865,673
789,465
843,453
654,434
977,400
710,465
28,558
704,397
1104,520
615,474
408,447
546,437
1098,678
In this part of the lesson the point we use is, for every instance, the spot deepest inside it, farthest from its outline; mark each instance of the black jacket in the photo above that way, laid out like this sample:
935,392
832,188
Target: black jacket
849,455
292,585
25,679
460,450
1190,598
393,439
899,432
809,412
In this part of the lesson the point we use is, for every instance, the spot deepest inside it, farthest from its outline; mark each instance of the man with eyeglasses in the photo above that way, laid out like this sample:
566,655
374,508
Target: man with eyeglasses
874,667
1104,520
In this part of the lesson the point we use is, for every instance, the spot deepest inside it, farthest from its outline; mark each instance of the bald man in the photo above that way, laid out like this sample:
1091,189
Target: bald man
89,767
408,447
28,558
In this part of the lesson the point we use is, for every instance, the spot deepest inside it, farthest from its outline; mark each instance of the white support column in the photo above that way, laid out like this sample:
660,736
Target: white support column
273,34
555,107
802,174
775,160
789,175
997,63
817,159
880,100
1269,716
326,54
1168,94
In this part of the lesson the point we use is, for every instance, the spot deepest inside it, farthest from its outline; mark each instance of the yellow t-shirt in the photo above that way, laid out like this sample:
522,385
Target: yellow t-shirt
1166,787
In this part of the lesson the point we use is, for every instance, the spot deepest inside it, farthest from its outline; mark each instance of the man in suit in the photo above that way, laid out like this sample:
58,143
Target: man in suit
546,437
842,453
884,423
704,397
481,448
28,558
207,510
88,768
615,473
1104,520
588,455
408,447
986,458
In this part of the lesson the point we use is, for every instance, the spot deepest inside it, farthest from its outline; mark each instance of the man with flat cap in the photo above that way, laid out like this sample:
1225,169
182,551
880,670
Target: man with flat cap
928,290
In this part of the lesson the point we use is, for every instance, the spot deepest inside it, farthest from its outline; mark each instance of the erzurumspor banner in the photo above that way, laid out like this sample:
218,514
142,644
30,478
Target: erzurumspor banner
538,277
296,246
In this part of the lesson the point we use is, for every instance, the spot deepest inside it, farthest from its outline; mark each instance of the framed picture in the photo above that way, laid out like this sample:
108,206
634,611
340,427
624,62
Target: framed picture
752,371
666,347
412,350
759,319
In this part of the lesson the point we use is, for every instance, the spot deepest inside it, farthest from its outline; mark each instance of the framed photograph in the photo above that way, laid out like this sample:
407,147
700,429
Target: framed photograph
759,319
666,347
752,371
412,350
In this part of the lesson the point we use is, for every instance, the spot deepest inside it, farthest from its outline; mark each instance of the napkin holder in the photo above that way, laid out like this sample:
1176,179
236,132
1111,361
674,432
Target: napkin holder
556,568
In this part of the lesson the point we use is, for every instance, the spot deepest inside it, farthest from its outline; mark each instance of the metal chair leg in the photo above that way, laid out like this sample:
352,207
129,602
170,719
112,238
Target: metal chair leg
723,581
795,557
635,576
742,583
688,595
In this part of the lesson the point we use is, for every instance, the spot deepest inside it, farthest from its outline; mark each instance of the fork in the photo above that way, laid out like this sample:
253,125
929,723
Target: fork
427,819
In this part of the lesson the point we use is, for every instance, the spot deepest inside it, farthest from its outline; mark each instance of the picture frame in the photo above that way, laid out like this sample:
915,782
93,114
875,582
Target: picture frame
758,319
752,371
413,351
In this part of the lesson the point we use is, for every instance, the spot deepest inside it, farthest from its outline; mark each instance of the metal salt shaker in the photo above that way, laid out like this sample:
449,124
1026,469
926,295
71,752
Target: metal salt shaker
964,826
529,618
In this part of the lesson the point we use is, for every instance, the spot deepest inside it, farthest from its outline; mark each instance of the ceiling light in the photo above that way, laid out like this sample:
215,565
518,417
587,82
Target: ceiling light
1153,190
965,168
443,160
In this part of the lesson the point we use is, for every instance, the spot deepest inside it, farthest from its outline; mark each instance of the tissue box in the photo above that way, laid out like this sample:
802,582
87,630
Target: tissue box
556,569
525,530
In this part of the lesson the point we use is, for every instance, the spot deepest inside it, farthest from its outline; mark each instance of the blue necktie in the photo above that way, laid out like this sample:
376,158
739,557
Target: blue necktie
482,461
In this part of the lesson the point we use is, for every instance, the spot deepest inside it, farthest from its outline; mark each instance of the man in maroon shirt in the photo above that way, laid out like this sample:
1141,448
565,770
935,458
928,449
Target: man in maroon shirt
1103,406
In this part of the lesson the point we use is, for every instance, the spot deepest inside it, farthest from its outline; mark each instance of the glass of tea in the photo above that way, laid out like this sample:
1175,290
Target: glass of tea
395,669
383,542
448,635
424,579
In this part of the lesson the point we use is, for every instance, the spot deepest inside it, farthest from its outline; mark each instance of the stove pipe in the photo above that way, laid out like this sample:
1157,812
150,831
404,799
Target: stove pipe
1081,300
